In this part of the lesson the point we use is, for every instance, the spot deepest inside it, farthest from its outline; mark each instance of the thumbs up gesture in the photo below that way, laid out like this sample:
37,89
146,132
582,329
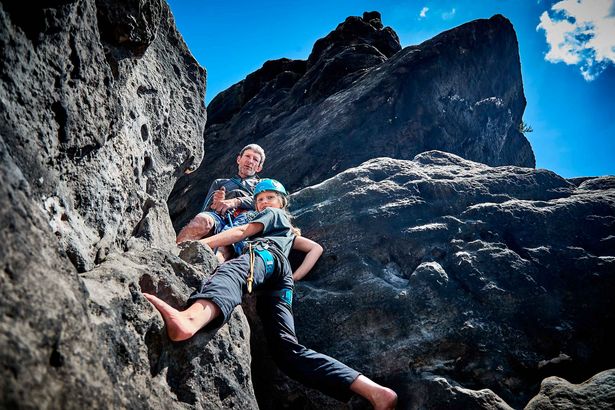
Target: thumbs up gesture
219,196
220,204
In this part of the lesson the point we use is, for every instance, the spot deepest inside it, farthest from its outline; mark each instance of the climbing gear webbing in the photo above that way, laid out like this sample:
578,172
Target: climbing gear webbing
236,246
266,257
285,294
240,183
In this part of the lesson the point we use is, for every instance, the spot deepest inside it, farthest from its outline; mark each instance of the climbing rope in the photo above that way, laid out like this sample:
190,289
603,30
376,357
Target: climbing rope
251,275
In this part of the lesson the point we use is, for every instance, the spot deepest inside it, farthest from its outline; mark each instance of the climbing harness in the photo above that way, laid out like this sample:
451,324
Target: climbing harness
285,294
267,259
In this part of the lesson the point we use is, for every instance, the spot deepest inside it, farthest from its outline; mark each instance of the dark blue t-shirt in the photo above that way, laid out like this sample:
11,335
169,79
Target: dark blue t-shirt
277,229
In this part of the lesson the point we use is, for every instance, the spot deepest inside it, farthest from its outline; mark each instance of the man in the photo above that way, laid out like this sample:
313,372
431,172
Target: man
227,198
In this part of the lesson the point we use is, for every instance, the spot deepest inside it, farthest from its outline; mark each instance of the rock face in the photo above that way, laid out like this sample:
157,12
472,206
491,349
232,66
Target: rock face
212,370
442,277
458,284
359,96
101,111
594,394
102,107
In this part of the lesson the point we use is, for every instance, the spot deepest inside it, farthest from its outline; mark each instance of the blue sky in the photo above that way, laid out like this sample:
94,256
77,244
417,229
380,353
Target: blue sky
567,50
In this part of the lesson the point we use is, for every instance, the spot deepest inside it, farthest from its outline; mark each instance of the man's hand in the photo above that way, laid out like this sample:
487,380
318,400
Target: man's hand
219,196
221,205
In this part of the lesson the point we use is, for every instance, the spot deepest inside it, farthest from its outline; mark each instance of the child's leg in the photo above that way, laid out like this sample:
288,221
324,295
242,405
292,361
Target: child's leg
224,253
311,368
226,286
216,299
308,367
182,325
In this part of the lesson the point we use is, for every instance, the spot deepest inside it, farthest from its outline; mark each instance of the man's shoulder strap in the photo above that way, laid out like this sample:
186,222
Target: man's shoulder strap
249,185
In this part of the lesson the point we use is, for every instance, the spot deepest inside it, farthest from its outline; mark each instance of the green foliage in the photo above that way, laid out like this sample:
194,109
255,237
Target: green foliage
525,127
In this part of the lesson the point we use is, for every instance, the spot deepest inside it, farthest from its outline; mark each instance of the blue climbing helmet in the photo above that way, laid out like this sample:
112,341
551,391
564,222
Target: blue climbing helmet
269,185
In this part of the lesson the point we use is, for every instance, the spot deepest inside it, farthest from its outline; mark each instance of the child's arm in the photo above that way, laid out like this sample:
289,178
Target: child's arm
313,252
233,235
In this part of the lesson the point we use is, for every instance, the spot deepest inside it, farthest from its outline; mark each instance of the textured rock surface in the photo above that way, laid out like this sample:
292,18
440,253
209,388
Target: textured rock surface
359,96
460,285
597,393
46,340
488,278
212,370
101,110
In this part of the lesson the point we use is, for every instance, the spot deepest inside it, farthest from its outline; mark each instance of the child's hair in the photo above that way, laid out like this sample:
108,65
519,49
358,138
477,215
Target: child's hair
284,201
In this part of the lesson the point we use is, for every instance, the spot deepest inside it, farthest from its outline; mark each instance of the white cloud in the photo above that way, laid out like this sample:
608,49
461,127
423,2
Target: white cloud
581,32
423,12
449,14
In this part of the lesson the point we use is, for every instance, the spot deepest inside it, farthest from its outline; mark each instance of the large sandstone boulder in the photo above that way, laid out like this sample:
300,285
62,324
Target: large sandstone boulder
211,370
360,96
443,277
597,393
458,284
102,107
101,110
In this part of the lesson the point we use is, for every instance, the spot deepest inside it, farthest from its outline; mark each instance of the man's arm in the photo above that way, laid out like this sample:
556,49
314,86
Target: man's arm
222,206
217,184
245,202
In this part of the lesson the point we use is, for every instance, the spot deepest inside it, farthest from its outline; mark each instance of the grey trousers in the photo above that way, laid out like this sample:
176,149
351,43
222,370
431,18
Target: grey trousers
226,288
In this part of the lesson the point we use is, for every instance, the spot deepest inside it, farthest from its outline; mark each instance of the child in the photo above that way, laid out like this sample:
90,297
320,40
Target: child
266,267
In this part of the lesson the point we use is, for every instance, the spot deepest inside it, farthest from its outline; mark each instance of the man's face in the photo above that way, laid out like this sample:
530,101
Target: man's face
248,163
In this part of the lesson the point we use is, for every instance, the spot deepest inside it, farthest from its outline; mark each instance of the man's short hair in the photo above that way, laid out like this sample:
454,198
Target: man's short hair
256,148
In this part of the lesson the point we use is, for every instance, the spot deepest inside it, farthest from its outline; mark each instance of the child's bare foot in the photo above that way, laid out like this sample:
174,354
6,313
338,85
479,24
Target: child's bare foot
380,397
180,325
384,399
